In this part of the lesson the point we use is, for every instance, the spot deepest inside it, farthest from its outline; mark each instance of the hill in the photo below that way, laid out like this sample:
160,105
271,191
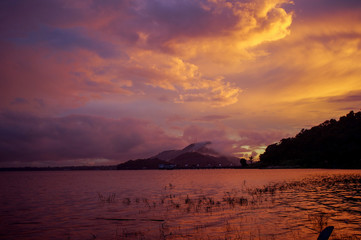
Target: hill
332,144
200,147
195,155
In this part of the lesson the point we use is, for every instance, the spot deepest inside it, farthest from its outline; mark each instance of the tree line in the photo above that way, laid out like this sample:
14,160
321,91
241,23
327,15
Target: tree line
332,144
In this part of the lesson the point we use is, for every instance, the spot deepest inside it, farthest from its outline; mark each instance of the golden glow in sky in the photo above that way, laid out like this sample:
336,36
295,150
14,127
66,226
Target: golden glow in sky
135,77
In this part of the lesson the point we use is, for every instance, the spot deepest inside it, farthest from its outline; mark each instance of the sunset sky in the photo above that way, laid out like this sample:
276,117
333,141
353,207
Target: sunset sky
101,82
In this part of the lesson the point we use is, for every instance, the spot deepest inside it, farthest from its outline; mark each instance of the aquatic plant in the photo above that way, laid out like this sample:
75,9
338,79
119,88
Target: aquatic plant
171,207
127,201
319,220
109,199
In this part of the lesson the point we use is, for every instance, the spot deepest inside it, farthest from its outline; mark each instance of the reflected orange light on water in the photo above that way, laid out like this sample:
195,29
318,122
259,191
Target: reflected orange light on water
178,204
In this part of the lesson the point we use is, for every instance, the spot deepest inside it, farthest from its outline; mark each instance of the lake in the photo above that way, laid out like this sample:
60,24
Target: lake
180,204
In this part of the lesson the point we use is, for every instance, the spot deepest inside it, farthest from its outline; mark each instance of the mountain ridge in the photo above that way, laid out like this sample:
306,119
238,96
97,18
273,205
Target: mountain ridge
193,147
331,144
195,155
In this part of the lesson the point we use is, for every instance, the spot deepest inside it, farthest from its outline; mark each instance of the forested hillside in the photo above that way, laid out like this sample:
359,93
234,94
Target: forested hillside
332,144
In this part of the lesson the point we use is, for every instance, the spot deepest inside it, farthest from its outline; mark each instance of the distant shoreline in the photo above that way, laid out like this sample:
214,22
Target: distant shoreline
66,168
106,168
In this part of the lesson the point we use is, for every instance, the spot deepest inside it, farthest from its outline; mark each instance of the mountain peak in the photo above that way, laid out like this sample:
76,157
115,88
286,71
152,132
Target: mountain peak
193,147
200,147
195,155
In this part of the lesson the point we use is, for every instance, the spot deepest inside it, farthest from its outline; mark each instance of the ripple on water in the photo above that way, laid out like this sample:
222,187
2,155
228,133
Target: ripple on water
199,204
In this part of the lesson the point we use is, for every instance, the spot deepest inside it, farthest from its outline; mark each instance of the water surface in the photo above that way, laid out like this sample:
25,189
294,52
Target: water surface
179,204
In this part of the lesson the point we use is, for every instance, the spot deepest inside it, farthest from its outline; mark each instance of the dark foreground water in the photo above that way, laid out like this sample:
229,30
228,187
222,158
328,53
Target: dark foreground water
180,204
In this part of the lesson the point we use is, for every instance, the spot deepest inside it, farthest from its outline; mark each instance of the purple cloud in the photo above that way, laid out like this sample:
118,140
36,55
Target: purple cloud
70,39
188,18
19,100
260,138
213,117
353,96
311,7
27,138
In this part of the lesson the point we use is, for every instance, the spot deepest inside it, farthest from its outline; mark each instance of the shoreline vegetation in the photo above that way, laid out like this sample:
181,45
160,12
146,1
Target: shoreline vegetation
114,167
233,206
331,145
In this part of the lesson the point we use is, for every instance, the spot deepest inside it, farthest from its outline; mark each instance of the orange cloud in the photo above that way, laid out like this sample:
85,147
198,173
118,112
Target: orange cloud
172,73
271,66
194,65
222,52
319,60
152,44
59,81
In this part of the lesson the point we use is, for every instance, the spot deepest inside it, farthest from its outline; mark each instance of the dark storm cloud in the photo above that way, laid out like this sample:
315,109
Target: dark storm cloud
28,138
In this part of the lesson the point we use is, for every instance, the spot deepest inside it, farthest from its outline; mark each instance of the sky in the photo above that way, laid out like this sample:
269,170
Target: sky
101,82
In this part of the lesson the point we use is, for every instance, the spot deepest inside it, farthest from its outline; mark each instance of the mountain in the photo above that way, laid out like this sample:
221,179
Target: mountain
195,155
331,144
200,147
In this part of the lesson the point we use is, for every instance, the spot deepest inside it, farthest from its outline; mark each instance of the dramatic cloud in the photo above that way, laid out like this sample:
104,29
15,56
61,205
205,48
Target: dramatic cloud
318,61
69,39
246,142
241,74
27,139
166,44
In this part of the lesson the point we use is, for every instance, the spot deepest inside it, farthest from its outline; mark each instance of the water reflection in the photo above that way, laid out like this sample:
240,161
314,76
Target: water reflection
198,204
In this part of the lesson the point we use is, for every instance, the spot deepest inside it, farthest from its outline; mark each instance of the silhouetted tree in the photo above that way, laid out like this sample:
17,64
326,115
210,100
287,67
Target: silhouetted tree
332,144
251,159
243,162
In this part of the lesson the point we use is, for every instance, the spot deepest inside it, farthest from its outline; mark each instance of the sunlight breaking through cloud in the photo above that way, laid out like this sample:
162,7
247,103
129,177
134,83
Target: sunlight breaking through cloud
272,67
